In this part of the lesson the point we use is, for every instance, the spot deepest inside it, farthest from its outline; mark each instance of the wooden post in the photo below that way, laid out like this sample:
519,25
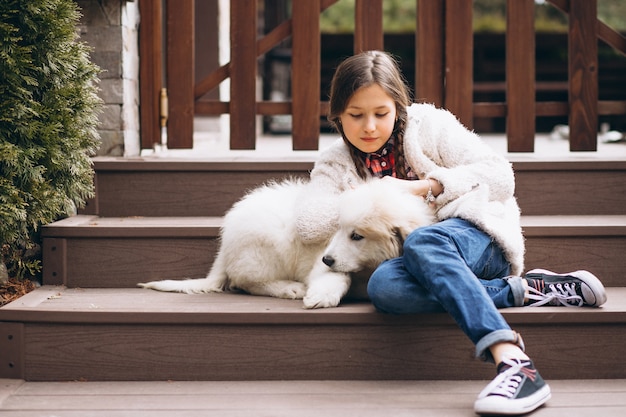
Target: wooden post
429,54
459,60
150,71
368,25
305,75
180,73
243,70
583,75
520,75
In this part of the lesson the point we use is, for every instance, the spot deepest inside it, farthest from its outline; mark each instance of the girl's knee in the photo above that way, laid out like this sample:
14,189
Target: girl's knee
392,290
399,296
379,288
419,243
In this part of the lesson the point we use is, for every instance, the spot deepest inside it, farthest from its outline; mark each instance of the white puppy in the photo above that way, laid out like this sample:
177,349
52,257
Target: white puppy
261,253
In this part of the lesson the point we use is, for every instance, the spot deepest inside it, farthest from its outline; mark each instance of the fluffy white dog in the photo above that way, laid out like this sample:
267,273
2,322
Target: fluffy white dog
261,252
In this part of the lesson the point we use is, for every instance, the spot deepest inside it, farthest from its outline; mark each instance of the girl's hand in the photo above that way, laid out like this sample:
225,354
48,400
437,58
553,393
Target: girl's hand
417,187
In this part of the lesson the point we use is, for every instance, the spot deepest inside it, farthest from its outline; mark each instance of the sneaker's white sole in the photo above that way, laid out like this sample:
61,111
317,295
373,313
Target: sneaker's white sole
505,406
585,276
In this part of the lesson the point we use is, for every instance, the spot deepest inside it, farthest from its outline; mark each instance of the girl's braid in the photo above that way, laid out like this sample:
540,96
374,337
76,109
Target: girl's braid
399,147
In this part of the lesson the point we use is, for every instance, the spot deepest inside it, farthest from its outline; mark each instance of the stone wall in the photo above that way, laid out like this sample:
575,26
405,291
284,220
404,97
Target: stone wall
110,27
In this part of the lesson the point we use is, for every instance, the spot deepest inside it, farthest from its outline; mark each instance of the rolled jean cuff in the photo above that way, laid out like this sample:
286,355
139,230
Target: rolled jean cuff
517,289
499,336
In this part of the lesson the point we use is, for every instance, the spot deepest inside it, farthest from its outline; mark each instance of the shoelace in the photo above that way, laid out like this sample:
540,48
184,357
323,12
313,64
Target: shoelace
505,384
564,294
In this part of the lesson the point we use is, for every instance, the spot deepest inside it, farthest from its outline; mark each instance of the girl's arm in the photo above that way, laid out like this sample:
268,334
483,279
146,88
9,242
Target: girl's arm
459,160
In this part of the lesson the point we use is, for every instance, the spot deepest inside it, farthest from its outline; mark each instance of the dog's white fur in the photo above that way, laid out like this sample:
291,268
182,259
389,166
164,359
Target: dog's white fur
261,253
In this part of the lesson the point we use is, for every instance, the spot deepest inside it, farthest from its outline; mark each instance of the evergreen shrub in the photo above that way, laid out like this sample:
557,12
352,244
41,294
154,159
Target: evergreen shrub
48,118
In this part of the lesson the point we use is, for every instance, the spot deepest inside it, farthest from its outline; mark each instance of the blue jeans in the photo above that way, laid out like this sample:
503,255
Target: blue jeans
455,267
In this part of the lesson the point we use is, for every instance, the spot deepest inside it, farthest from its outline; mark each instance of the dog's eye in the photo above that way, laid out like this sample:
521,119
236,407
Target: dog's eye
355,236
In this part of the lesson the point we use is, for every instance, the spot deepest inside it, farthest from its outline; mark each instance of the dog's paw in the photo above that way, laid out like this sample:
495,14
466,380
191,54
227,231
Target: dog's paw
293,291
321,300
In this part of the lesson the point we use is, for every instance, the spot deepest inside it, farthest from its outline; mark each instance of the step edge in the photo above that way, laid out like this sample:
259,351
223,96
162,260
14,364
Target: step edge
574,225
353,313
305,163
542,318
94,227
139,164
209,226
568,164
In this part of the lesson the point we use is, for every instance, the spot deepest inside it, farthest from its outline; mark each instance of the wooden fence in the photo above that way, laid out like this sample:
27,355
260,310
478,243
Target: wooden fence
443,69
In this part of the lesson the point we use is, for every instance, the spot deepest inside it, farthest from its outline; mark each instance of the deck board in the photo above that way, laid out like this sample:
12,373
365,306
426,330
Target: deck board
52,303
208,226
579,398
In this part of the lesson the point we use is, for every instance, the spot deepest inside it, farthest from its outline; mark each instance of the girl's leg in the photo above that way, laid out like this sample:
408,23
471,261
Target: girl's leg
439,271
393,290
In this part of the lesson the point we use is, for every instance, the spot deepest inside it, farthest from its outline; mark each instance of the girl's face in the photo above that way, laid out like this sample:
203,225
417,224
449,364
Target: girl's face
369,118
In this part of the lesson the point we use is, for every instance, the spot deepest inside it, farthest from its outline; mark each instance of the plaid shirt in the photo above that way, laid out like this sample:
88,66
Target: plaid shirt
383,163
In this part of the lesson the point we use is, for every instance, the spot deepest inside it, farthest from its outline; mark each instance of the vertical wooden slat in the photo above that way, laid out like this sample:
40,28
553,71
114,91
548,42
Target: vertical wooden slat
243,70
429,54
583,75
368,25
458,60
150,71
305,74
180,73
520,75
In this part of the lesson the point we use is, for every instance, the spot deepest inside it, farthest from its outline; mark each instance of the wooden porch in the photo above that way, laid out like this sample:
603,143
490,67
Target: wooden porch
88,343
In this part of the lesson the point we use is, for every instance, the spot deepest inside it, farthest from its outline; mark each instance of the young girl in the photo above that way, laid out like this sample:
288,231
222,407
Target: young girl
470,262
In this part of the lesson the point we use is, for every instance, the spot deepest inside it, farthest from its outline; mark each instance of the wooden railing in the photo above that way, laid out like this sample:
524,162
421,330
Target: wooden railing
443,69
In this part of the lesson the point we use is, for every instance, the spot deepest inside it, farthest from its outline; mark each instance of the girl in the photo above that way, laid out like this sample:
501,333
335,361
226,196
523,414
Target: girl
470,262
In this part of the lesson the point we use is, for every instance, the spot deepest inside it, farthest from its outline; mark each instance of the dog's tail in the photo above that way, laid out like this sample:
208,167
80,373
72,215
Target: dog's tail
215,281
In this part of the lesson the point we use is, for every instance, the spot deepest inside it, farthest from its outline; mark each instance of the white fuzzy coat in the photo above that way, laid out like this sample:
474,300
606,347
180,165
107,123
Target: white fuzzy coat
478,183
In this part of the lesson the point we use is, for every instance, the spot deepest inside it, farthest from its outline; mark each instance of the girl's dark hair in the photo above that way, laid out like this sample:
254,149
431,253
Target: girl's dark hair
363,70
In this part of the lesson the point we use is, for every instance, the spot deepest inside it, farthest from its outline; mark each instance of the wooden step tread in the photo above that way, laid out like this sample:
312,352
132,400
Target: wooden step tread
573,398
134,305
304,161
145,164
139,226
208,226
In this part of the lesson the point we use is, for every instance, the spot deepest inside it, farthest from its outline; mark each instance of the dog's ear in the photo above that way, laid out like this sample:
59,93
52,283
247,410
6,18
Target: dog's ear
400,235
403,230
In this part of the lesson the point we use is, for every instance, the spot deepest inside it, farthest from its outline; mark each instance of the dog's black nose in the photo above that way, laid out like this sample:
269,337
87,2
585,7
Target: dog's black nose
328,260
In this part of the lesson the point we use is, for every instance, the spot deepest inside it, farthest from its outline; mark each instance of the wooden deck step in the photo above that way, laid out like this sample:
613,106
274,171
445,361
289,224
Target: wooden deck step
60,334
572,398
154,187
91,251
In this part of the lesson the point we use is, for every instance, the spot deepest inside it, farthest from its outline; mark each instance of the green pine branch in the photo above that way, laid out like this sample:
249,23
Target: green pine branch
48,118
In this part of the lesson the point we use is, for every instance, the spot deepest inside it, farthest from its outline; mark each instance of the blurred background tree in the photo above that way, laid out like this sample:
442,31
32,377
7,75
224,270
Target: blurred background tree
489,16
